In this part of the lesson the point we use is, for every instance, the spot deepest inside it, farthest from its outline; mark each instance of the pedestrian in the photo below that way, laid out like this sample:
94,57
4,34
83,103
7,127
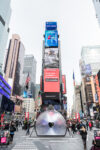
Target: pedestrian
67,127
87,125
28,128
83,133
90,125
17,123
12,130
73,127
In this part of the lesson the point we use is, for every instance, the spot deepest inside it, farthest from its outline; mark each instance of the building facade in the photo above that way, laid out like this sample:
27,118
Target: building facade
97,8
14,64
30,69
78,99
29,106
91,56
5,14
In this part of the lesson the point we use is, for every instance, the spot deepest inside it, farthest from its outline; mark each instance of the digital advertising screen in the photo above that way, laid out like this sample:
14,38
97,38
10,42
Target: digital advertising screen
88,70
51,58
64,83
51,80
51,38
51,26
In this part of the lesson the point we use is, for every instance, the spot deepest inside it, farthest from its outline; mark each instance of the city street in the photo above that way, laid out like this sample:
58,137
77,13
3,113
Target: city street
23,142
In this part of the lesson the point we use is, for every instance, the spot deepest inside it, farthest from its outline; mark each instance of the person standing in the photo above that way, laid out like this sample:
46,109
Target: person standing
28,128
87,125
17,123
12,130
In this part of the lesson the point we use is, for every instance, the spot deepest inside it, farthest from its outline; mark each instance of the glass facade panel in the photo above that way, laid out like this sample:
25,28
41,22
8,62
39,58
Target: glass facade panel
13,58
19,71
5,13
91,55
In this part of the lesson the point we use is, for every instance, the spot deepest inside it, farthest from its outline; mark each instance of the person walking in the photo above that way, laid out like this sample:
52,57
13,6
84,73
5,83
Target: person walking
87,125
28,128
17,123
73,127
90,125
12,130
83,133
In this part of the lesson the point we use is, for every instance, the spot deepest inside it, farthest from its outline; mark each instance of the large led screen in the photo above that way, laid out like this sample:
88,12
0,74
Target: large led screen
51,25
51,80
51,58
51,38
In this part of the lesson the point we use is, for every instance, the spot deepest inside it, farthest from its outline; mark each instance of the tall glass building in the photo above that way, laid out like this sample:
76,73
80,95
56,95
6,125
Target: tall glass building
5,13
30,68
14,64
97,8
91,55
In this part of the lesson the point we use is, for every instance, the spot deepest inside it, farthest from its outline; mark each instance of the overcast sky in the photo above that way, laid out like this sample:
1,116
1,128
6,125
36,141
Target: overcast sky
77,27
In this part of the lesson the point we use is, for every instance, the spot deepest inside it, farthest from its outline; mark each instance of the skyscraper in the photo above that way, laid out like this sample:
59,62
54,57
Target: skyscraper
30,69
90,56
5,13
97,8
14,64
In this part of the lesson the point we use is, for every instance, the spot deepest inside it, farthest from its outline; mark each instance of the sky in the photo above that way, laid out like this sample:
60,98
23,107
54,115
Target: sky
77,27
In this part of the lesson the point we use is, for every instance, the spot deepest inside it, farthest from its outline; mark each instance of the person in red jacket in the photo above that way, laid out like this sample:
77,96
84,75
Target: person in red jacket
90,125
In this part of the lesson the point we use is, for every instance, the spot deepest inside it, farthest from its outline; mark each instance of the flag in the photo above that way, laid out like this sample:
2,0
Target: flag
73,79
27,81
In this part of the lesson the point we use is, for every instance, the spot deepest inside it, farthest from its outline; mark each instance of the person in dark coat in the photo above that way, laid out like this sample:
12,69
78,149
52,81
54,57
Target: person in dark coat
12,130
17,123
83,133
73,127
87,125
28,128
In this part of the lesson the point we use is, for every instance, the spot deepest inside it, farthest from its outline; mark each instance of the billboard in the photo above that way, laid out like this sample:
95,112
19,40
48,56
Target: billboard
17,109
25,94
88,70
51,58
51,38
51,26
85,69
64,84
51,80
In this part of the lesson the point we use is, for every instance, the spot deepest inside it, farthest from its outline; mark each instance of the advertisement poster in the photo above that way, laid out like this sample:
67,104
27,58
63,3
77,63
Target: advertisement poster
64,84
51,38
88,70
51,25
51,58
51,80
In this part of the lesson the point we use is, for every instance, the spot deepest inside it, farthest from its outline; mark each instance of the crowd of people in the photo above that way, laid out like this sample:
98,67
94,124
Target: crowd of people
80,127
11,127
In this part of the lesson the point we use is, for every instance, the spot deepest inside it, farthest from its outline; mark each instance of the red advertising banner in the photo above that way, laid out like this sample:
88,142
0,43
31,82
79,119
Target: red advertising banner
27,115
64,83
51,80
77,116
